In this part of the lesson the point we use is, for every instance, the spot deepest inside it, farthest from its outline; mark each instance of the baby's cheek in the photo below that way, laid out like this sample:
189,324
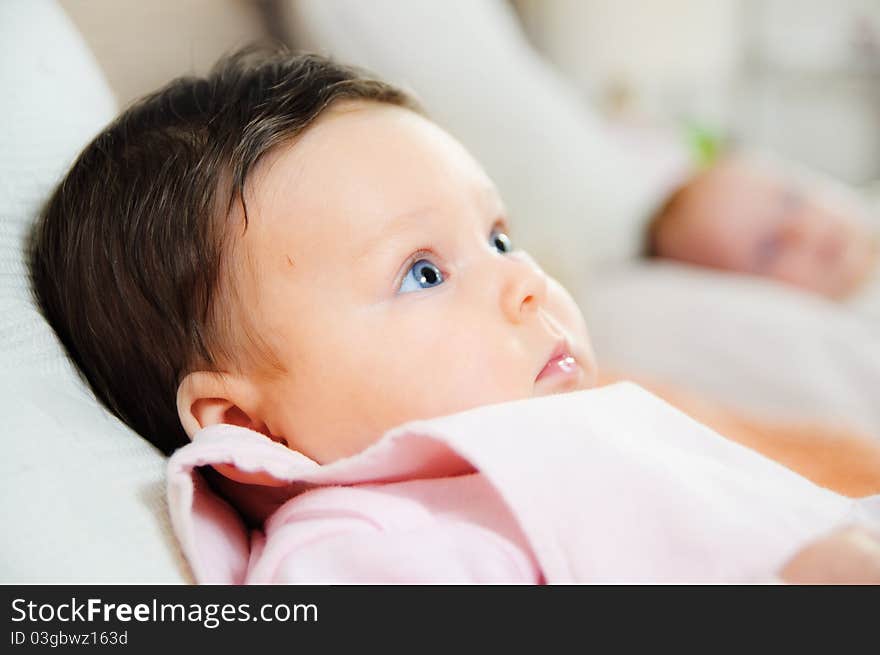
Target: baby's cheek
800,268
564,307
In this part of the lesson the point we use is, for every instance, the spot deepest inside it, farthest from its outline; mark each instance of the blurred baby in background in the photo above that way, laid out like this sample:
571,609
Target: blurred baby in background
748,216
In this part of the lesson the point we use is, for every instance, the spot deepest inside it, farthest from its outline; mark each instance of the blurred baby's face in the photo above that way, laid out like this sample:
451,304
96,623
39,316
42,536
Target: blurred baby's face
383,278
745,218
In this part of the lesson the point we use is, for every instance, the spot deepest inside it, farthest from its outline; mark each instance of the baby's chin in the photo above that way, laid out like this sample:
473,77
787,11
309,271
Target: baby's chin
867,262
852,273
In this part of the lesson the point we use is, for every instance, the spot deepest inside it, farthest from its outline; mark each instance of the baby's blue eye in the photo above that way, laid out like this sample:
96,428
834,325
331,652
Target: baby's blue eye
421,275
500,241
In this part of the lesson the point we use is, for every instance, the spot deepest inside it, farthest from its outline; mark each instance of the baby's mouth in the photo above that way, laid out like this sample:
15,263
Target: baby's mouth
561,364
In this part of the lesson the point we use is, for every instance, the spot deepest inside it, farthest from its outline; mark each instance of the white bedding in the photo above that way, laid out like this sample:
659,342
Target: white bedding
82,497
758,345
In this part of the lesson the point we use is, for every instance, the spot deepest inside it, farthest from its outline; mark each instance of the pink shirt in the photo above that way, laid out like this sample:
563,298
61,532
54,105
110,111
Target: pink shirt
607,485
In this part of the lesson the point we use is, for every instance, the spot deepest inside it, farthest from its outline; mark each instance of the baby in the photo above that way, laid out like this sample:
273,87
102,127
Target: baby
290,248
746,215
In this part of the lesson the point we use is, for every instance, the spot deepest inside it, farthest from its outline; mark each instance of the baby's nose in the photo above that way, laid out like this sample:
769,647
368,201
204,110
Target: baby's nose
524,290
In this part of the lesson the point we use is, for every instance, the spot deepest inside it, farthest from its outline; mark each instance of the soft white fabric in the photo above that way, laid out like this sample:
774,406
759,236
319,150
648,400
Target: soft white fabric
82,495
759,345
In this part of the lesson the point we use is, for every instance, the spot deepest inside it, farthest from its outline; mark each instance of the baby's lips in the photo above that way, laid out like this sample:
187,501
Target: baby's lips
561,364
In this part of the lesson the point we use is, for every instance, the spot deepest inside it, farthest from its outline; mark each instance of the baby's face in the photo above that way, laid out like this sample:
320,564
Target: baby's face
380,276
744,218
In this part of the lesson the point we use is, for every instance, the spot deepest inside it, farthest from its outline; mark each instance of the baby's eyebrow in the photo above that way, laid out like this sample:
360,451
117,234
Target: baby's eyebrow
410,220
401,223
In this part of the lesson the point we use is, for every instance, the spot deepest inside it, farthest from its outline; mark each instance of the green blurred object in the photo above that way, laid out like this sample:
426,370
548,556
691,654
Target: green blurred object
706,144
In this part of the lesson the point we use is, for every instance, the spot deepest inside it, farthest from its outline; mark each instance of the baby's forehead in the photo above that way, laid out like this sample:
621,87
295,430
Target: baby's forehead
362,170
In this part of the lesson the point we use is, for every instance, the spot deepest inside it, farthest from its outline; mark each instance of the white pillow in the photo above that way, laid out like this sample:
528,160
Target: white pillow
83,496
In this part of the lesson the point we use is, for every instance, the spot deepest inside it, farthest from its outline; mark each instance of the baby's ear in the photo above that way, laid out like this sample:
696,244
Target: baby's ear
207,398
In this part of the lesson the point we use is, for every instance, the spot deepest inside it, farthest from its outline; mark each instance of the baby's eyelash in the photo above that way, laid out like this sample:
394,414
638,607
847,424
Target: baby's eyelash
500,225
421,253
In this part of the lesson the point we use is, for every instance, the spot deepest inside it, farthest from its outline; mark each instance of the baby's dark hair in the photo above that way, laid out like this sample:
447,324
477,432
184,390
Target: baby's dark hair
127,257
